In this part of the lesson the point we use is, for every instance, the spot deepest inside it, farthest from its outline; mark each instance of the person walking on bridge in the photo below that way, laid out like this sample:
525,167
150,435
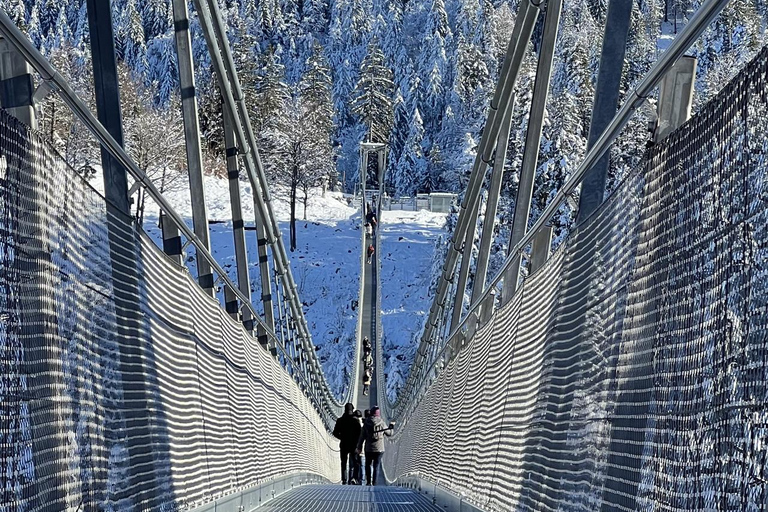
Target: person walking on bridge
371,219
369,253
347,430
372,437
367,376
357,473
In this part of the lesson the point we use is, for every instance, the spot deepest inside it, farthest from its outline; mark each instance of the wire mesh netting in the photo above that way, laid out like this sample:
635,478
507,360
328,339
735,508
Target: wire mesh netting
123,386
630,372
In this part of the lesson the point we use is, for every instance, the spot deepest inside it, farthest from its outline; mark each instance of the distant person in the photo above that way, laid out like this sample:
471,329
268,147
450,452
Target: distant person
371,219
367,376
368,361
369,252
368,230
372,439
366,343
347,430
357,475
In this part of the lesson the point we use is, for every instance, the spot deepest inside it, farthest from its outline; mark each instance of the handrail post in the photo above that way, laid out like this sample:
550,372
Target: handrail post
238,226
122,248
609,74
532,144
192,140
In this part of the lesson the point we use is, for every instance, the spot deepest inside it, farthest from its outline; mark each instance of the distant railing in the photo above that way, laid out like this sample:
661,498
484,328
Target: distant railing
435,202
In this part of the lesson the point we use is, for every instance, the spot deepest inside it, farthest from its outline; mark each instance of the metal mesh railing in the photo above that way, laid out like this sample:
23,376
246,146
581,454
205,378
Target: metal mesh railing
630,372
122,386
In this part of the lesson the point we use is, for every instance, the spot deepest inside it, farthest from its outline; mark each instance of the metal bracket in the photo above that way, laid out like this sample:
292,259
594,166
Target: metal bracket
136,186
42,92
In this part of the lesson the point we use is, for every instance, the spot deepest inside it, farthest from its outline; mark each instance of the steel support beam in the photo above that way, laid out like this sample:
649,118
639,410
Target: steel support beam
532,144
265,274
238,227
192,139
16,89
542,245
609,75
221,55
675,97
489,222
695,27
48,74
122,244
498,108
466,261
172,245
107,93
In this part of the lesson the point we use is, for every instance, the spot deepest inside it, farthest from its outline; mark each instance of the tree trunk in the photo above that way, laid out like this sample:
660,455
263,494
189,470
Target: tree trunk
293,217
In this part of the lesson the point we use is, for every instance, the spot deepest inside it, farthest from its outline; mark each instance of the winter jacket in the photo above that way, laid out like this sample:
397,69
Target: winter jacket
373,434
347,430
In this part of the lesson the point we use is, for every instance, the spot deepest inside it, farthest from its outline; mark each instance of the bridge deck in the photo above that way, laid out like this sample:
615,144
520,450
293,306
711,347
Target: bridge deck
332,498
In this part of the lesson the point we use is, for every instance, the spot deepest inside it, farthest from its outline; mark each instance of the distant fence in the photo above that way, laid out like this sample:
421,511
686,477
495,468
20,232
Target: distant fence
631,372
122,386
435,202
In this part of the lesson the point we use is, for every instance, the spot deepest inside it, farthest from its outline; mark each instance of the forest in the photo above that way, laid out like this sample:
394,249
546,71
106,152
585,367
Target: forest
320,76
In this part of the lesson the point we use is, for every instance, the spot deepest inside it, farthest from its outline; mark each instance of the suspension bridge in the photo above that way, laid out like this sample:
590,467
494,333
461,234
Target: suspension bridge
625,371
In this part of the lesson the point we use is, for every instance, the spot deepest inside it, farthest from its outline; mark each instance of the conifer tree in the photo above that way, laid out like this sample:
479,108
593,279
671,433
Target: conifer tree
158,19
372,101
411,168
163,70
400,130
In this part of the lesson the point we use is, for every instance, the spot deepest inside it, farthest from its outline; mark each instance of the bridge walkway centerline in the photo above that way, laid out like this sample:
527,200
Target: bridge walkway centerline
350,498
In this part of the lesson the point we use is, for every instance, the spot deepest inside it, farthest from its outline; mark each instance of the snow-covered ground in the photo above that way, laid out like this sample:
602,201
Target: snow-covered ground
326,267
408,244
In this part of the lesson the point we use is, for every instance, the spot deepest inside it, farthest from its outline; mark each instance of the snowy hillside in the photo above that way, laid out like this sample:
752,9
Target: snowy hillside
326,267
408,244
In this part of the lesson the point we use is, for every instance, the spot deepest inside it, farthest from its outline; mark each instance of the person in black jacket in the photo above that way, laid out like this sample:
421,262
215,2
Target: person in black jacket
347,431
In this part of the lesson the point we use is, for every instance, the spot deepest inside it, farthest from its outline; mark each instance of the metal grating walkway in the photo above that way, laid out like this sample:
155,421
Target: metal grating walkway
339,498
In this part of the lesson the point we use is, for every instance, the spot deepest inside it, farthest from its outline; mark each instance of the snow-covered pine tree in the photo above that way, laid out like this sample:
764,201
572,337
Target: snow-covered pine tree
163,67
158,19
130,39
315,89
314,17
17,11
401,127
433,67
48,13
271,89
372,101
411,168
